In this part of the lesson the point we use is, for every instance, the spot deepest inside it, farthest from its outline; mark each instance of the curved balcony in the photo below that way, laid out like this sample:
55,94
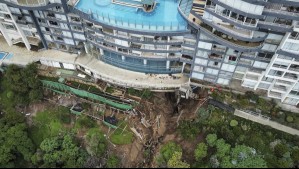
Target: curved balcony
226,41
235,33
275,26
143,55
139,66
286,2
256,2
157,42
31,4
237,10
287,14
231,20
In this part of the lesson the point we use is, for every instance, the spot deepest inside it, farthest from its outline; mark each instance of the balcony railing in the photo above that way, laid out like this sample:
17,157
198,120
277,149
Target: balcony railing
275,24
211,9
237,44
283,12
29,2
149,25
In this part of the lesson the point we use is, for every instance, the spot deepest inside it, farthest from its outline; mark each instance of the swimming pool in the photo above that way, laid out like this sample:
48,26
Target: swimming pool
165,16
2,54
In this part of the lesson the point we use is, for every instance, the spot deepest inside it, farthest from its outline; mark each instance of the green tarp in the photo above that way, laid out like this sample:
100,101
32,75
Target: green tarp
82,93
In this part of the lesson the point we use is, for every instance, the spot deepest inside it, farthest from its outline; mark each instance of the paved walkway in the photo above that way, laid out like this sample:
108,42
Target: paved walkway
103,71
267,122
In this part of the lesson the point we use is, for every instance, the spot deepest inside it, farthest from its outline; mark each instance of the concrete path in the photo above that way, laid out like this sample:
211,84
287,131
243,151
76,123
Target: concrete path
265,121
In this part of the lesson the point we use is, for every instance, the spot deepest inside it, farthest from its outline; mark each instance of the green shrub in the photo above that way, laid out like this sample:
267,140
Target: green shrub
188,129
166,152
109,89
252,96
290,119
233,123
85,122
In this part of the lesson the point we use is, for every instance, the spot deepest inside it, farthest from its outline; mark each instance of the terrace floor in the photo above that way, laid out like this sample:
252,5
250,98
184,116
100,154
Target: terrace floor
106,72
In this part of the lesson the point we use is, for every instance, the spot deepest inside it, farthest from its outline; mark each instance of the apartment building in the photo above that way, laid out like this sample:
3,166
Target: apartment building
253,42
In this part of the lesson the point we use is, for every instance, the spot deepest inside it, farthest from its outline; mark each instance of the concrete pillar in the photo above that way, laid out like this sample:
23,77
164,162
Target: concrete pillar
183,67
144,61
64,5
101,51
19,29
86,47
123,58
167,64
6,37
39,31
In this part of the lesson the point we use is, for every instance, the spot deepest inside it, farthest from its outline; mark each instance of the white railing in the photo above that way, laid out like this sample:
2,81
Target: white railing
29,2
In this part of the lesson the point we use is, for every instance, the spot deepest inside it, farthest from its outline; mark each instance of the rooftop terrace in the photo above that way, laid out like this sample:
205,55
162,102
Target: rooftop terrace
164,17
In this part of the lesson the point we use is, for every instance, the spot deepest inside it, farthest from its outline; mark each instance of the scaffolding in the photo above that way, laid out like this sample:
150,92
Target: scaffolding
63,89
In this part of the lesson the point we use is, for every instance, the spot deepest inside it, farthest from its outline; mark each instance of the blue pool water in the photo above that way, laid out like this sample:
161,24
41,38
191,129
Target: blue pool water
165,16
9,56
2,55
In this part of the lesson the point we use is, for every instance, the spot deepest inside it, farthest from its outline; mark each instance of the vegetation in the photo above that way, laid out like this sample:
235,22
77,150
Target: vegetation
233,123
15,145
120,136
166,153
176,162
109,89
49,123
189,130
146,93
201,151
113,162
85,122
229,144
48,139
20,86
59,152
253,102
96,142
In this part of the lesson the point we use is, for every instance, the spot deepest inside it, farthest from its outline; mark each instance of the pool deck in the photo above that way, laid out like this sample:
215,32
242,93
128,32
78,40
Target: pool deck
106,72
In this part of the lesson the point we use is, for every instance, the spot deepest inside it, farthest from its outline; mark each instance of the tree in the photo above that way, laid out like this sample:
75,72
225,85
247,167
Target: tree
60,152
295,155
176,161
222,148
21,85
233,123
246,157
211,139
15,145
96,142
201,151
189,129
167,151
280,149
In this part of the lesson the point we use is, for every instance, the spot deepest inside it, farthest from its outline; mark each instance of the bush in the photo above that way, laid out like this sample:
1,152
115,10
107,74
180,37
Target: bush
109,89
85,122
290,119
120,137
233,123
167,151
188,129
252,96
96,142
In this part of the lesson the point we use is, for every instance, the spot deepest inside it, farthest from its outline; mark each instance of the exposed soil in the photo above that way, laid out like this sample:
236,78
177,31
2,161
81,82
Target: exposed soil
161,113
